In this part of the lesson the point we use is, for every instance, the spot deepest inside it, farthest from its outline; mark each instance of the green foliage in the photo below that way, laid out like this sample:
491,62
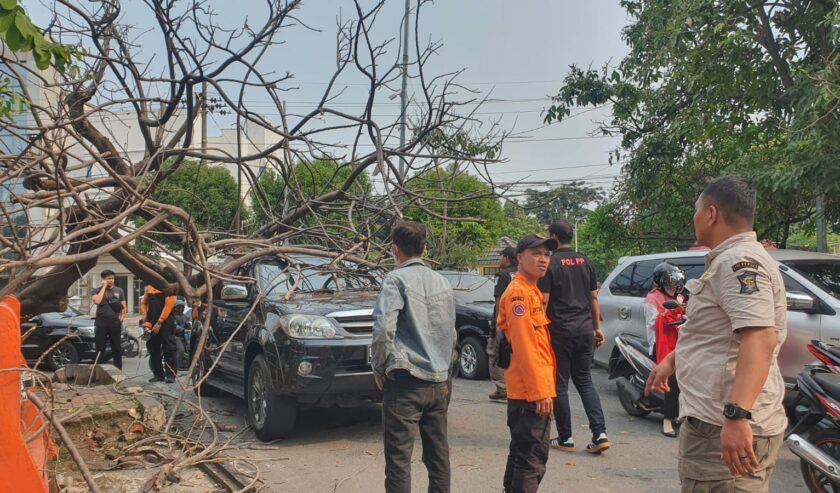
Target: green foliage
309,180
208,193
712,88
566,202
19,34
518,223
455,194
605,237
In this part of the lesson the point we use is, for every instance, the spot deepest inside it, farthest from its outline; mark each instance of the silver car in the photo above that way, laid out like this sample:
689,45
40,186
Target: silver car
812,282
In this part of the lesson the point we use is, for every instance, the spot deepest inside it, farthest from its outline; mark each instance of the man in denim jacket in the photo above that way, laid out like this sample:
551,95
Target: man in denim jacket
413,342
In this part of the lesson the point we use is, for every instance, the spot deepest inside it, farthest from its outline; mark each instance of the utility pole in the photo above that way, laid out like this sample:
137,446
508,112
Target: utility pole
822,239
404,91
203,121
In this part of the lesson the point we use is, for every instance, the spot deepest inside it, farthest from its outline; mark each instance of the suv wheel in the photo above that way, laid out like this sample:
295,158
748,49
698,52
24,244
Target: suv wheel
271,415
64,354
474,360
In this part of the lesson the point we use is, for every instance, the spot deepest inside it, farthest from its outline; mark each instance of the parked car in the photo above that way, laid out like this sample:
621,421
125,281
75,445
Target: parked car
812,282
306,342
473,313
50,328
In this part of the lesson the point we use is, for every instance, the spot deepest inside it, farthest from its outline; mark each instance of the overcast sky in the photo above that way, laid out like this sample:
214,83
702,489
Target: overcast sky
518,52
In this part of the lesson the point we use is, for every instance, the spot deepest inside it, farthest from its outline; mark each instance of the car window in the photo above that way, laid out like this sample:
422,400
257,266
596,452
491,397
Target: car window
823,273
637,279
470,288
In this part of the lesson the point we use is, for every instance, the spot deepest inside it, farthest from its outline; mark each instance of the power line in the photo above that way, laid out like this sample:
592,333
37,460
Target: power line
554,168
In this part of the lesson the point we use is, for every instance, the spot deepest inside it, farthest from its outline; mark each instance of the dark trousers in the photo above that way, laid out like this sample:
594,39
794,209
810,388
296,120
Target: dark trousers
409,403
574,359
161,347
671,408
529,437
106,330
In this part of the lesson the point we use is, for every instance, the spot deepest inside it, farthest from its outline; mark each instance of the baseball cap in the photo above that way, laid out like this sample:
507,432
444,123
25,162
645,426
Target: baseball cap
562,229
532,241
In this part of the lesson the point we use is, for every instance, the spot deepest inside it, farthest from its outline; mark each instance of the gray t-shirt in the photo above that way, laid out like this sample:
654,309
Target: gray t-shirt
111,305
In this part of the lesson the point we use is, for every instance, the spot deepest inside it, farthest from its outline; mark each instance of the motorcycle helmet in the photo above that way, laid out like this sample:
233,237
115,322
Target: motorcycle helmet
669,278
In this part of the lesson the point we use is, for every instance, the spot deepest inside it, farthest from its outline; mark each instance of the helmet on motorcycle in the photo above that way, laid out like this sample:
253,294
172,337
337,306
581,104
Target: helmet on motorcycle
669,278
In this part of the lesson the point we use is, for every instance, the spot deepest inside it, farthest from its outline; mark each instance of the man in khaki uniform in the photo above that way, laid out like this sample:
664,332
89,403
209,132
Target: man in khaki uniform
732,390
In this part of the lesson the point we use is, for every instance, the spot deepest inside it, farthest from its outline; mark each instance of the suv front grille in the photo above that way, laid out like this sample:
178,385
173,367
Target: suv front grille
357,322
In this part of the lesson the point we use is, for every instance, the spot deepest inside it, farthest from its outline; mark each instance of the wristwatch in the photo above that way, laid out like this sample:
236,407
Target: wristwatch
734,411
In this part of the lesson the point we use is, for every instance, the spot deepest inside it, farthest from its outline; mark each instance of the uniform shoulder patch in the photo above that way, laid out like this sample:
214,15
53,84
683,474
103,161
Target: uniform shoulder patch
745,265
748,282
519,309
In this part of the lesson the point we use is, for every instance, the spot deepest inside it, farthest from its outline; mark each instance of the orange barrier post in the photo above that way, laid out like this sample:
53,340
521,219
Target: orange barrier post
22,465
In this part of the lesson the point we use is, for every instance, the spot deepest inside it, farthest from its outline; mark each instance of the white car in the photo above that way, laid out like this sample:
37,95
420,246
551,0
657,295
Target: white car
812,282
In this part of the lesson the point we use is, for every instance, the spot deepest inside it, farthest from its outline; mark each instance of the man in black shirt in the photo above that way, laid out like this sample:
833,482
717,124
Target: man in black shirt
507,264
570,291
110,313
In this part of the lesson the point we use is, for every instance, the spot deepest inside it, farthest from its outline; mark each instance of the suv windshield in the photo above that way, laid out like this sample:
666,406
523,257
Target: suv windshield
825,274
471,288
277,279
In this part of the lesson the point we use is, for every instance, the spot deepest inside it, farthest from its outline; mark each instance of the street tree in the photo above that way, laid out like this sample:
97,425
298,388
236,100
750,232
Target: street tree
712,88
68,166
569,201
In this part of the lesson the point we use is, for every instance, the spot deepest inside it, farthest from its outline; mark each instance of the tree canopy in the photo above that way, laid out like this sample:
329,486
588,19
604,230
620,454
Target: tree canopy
568,202
712,88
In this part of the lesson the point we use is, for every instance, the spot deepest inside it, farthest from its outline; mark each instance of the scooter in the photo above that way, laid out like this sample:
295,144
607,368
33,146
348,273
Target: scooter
631,369
129,344
815,438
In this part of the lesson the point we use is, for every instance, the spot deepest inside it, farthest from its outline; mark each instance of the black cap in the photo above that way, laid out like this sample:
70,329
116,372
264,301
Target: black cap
532,241
508,252
562,230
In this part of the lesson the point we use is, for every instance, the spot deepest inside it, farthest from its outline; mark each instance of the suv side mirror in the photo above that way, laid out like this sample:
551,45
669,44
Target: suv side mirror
799,300
234,292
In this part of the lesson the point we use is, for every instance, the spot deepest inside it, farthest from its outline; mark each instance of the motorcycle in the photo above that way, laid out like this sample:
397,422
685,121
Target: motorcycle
631,369
129,344
815,438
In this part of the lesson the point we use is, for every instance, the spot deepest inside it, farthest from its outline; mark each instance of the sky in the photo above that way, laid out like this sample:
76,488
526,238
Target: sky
515,53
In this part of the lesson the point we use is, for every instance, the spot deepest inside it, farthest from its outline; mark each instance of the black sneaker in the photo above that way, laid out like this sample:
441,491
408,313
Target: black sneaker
155,379
169,379
567,445
599,444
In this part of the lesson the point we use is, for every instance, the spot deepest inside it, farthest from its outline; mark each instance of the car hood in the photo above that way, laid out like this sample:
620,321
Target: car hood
70,321
480,309
326,304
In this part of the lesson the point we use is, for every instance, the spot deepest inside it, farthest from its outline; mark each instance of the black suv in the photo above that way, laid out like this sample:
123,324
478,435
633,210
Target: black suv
473,314
306,341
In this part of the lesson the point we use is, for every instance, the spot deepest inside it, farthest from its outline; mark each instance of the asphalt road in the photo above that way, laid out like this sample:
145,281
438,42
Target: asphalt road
340,450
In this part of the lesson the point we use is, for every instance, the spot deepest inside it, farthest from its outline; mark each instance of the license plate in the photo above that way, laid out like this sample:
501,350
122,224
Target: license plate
369,356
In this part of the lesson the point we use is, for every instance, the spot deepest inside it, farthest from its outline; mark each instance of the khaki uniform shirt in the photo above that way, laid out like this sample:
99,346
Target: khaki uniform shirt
741,287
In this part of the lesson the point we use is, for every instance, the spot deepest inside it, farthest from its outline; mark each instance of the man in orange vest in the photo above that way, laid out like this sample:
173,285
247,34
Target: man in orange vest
530,376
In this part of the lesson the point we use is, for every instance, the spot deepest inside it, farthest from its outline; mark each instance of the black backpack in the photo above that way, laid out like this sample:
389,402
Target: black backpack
503,350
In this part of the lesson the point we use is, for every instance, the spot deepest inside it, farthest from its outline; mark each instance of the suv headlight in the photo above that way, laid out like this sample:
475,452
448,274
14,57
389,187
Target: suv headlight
87,331
310,327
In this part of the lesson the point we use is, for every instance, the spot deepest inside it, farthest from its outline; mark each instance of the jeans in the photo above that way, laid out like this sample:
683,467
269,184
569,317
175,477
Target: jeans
529,437
162,347
108,330
671,408
409,403
574,359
